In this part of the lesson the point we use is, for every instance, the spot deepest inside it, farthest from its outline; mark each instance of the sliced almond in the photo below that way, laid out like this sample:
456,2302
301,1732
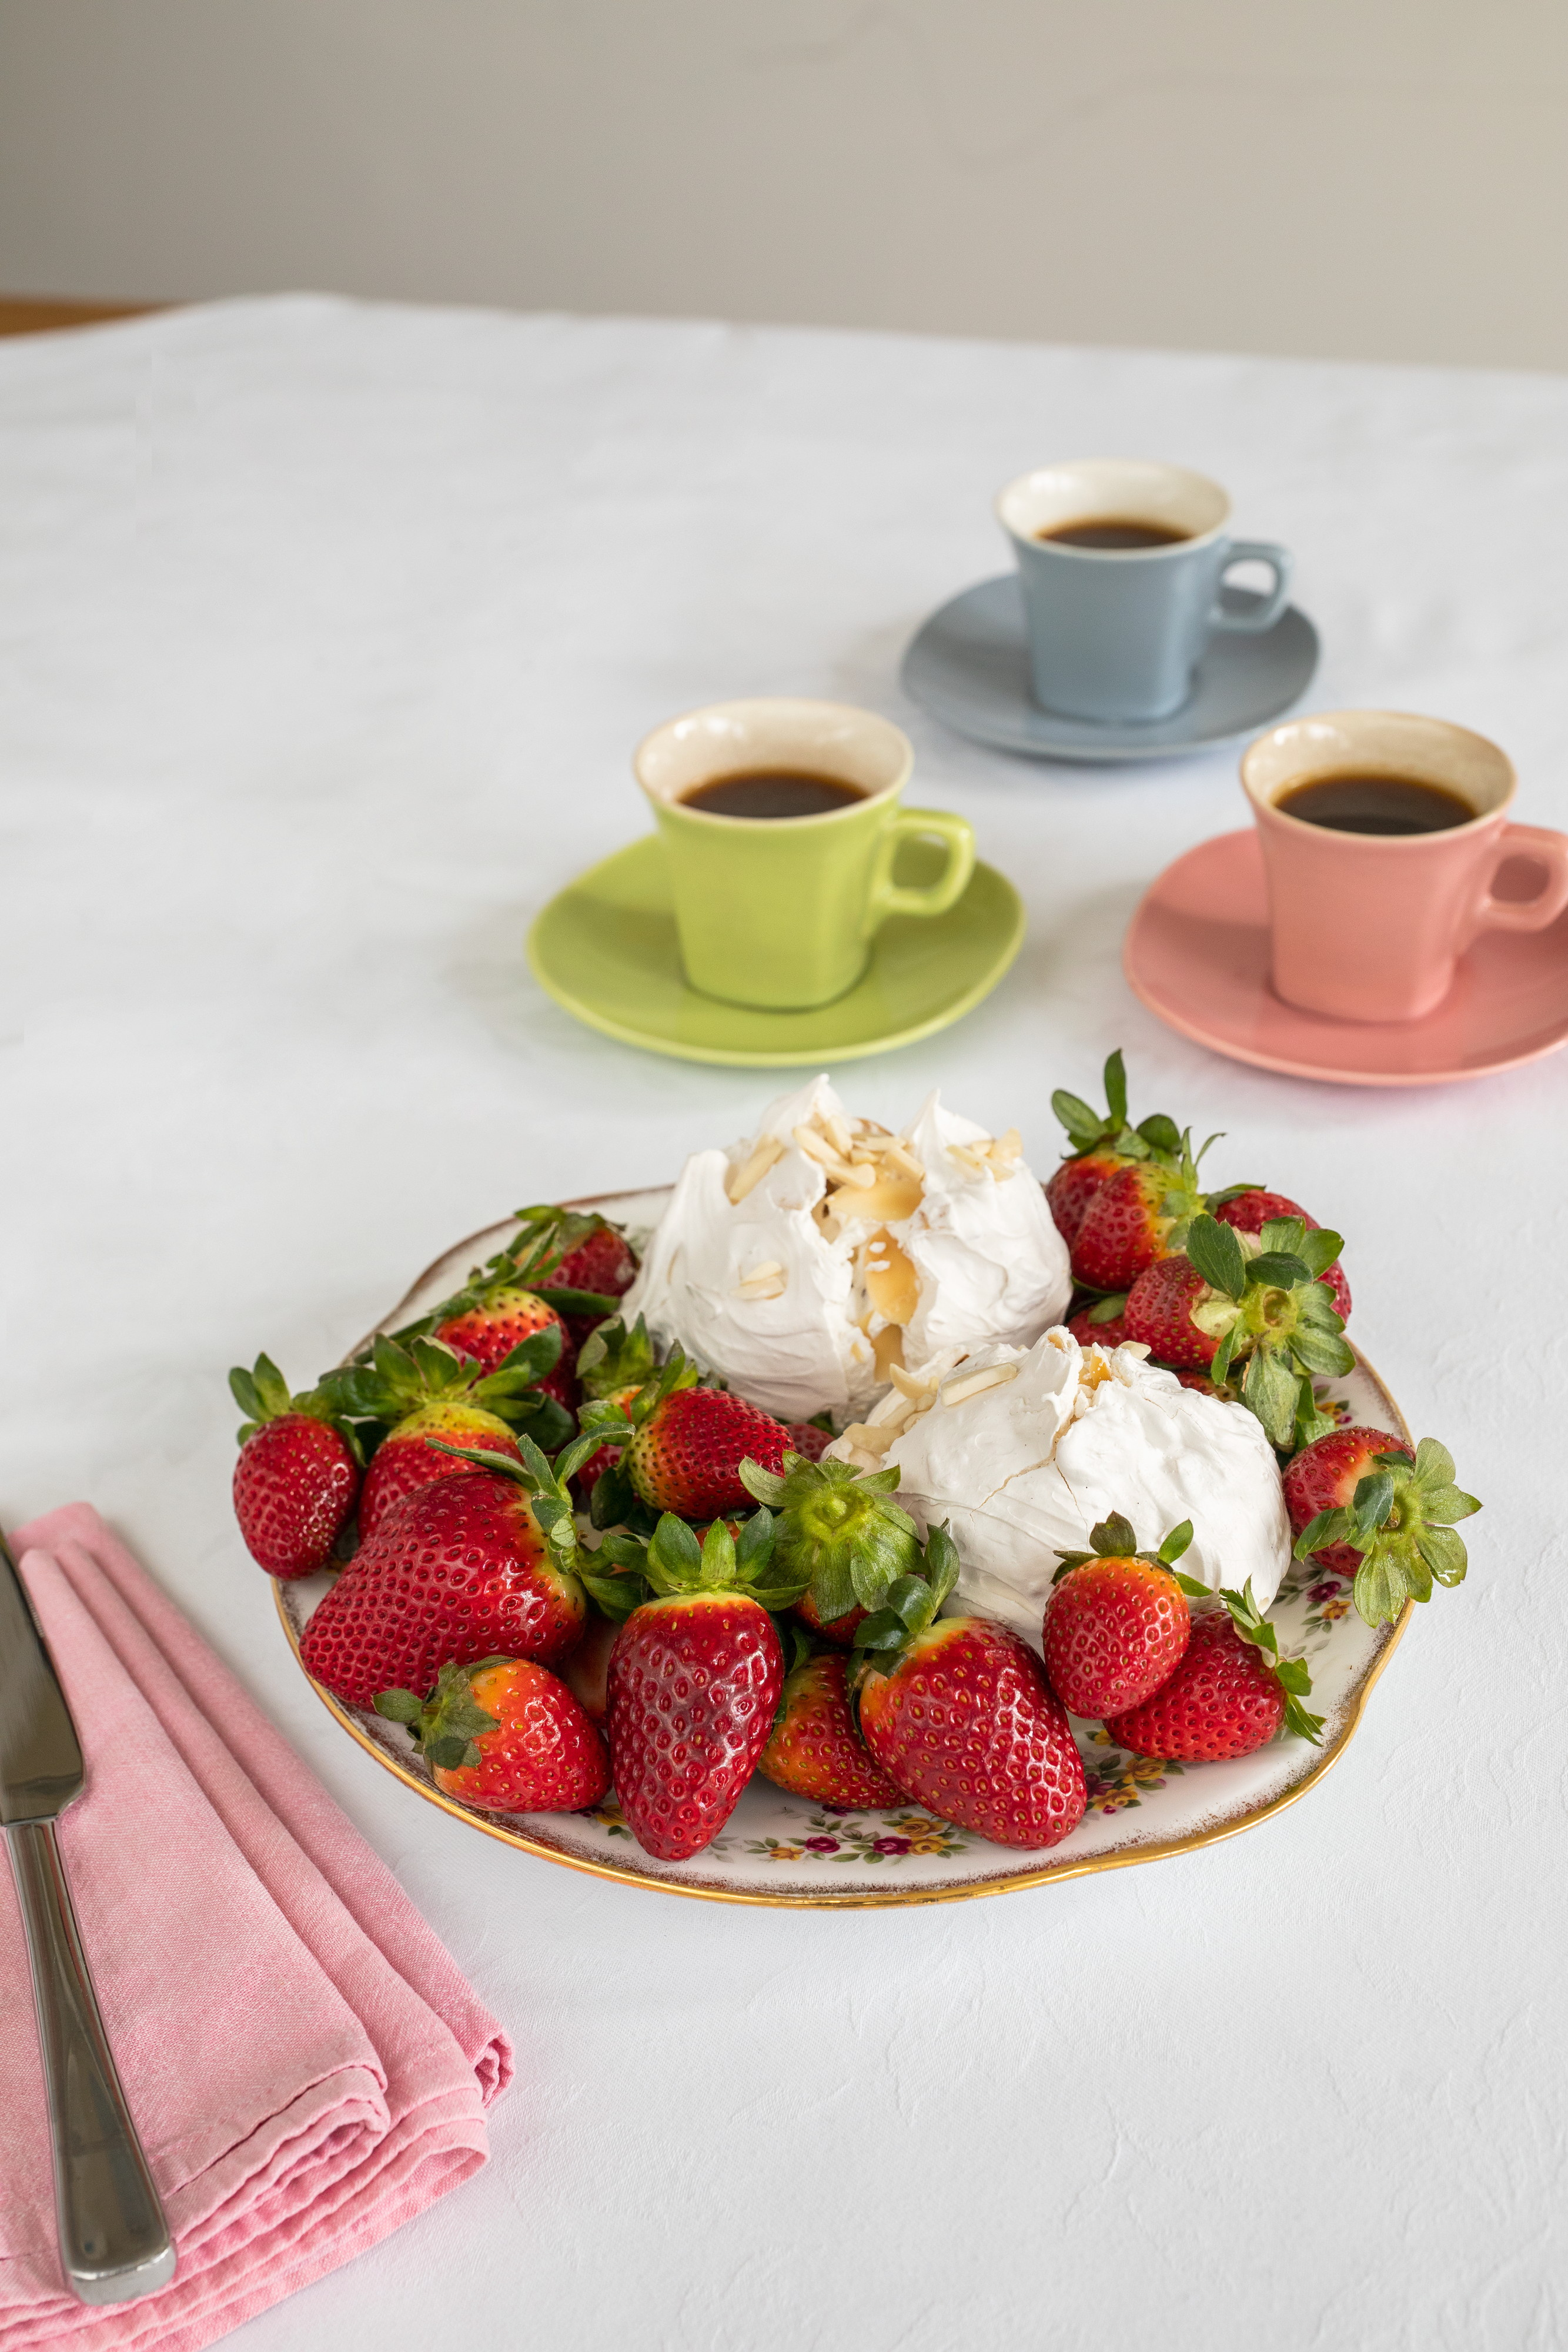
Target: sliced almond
871,1436
989,1376
817,1147
891,1198
900,1154
917,1392
768,1280
838,1132
891,1281
750,1171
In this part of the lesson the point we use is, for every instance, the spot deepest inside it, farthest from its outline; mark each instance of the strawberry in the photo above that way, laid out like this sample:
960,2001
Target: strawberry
1272,1313
839,1532
1398,1522
815,1750
959,1715
1104,1325
1249,1210
428,1393
469,1567
486,1323
409,1457
808,1439
507,1735
1159,1312
1102,1143
1231,1693
841,1630
695,1678
682,1445
1117,1623
1139,1215
587,1668
297,1476
573,1259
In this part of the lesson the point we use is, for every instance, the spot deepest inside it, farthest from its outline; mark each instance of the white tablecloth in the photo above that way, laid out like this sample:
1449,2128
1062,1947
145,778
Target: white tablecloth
325,634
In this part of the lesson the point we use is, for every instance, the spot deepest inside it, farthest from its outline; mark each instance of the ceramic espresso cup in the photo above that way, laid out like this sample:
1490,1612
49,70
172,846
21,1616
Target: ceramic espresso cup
780,912
1368,927
1115,633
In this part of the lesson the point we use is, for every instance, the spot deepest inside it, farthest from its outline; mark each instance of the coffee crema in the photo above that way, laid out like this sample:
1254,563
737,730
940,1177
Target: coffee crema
770,794
1116,532
1375,803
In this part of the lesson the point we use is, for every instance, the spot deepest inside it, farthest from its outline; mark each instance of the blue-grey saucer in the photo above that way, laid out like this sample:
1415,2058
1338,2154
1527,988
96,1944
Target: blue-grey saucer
968,664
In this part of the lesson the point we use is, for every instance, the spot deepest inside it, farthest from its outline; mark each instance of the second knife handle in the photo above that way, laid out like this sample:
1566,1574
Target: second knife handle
114,2241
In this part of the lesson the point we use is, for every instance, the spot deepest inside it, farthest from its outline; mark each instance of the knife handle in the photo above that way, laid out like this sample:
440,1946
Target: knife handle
114,2241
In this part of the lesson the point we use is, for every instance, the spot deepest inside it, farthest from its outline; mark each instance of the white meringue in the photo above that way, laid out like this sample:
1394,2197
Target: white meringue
770,1291
1021,1468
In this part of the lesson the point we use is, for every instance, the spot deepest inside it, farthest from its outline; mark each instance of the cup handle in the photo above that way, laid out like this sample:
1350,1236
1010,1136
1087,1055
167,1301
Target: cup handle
1542,846
1255,551
891,897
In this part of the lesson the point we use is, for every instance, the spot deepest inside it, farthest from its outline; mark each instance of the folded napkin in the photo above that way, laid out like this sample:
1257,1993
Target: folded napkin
306,2067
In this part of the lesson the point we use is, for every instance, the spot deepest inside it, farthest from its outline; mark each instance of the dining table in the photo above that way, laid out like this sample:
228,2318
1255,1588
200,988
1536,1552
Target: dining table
328,628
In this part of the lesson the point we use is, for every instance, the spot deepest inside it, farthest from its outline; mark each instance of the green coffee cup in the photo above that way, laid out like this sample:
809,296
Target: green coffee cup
780,912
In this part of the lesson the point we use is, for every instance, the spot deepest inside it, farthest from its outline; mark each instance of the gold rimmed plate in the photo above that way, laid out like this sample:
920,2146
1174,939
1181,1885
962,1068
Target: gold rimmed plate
777,1848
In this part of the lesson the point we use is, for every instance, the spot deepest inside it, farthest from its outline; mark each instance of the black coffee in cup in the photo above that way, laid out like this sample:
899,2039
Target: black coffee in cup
1116,534
770,793
1375,803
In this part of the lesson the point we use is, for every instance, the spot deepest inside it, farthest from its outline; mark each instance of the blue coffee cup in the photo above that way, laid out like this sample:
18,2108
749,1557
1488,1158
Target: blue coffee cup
1121,563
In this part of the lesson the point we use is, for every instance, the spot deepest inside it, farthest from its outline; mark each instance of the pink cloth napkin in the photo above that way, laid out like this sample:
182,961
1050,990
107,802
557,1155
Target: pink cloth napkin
305,2064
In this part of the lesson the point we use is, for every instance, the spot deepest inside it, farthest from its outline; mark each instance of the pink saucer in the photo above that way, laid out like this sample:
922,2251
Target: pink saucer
1196,952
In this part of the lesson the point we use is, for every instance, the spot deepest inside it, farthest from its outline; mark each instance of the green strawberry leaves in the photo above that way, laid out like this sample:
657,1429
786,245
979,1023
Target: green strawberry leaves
400,1375
544,1482
909,1604
450,1723
1113,1538
611,1423
1271,1312
1155,1138
838,1531
672,1560
613,1357
262,1395
1290,1674
1401,1520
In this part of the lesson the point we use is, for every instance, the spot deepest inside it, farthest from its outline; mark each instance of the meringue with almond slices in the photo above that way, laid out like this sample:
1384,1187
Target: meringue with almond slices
805,1264
1021,1452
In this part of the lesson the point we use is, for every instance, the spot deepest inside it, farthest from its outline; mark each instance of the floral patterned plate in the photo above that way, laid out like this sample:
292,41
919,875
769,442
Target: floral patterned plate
777,1848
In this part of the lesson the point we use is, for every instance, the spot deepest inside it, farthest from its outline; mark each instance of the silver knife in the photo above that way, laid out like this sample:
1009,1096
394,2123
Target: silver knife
114,2241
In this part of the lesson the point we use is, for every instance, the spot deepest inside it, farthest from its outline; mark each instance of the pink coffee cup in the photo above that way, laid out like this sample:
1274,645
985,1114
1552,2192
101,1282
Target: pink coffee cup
1368,927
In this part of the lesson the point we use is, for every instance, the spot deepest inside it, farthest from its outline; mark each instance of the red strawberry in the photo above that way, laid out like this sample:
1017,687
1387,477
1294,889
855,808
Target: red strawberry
1108,1333
466,1569
1102,1143
1250,1210
1159,1313
586,1670
1117,1621
614,1365
1199,1382
1129,1222
1229,1694
1398,1520
815,1751
505,1736
1069,1192
605,1263
684,1446
492,1321
406,1460
694,1682
1324,1476
807,1440
576,1261
958,1713
841,1630
297,1476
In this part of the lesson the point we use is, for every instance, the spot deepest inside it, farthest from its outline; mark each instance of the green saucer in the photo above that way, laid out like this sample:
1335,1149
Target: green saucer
606,949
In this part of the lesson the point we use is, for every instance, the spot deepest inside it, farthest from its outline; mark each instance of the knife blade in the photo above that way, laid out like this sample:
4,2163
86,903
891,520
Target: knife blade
114,2241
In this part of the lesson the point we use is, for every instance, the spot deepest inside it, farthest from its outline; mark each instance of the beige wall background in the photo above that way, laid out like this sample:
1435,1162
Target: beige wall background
1380,179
